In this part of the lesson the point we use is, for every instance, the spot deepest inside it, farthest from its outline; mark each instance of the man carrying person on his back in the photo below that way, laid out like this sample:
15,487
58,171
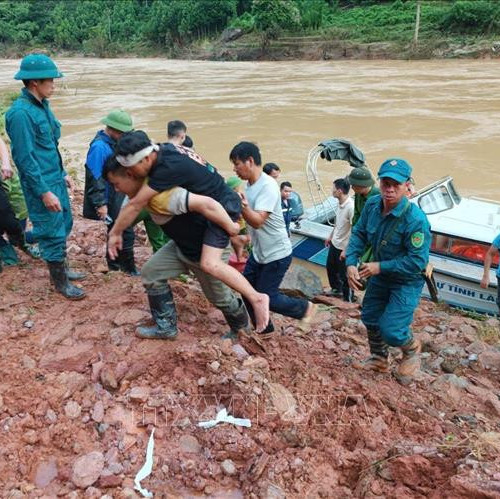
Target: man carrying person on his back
34,133
169,166
399,234
364,187
271,247
338,240
184,218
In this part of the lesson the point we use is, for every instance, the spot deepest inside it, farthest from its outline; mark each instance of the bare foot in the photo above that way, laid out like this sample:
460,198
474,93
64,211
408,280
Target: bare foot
305,322
261,311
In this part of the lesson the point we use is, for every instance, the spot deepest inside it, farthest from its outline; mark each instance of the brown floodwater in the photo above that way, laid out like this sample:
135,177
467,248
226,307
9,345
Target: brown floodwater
442,116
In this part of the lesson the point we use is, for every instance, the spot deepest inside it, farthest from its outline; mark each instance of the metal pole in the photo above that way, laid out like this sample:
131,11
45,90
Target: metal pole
417,25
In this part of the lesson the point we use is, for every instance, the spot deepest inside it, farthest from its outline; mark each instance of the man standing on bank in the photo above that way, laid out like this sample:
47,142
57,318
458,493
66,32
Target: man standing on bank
100,201
34,133
399,234
364,187
271,247
338,240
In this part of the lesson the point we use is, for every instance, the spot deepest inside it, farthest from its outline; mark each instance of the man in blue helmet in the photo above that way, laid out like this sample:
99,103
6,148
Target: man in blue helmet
34,132
399,235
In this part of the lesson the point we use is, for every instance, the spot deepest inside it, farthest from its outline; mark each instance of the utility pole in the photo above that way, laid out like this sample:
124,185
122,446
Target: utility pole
417,25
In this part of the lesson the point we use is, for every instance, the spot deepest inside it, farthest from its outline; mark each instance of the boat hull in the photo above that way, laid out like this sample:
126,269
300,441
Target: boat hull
456,281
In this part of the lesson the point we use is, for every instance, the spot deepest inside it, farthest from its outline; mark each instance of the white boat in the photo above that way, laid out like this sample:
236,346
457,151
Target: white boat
462,231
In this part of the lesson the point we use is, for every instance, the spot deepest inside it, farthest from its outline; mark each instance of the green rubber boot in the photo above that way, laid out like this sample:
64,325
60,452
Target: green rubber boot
161,303
59,277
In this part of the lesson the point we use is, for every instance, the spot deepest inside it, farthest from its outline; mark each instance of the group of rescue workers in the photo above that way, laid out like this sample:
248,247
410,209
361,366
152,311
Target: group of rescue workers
191,214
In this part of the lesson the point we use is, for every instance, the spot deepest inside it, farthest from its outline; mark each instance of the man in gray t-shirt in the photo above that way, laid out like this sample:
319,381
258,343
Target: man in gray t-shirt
270,241
271,248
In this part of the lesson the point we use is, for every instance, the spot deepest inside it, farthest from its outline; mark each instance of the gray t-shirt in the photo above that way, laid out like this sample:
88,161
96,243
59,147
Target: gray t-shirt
270,242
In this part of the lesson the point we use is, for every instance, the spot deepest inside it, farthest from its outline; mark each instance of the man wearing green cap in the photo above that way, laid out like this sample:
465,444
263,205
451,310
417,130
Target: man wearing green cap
399,234
100,201
34,133
364,187
96,193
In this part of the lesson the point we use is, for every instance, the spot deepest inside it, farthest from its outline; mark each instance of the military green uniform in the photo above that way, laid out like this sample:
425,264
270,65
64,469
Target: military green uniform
34,133
360,201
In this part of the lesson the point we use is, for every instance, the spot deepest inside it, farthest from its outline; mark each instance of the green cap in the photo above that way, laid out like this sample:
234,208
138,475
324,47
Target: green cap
37,67
361,177
119,120
234,182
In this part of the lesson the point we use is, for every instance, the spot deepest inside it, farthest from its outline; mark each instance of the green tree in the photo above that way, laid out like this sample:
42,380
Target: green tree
180,21
473,17
274,16
312,12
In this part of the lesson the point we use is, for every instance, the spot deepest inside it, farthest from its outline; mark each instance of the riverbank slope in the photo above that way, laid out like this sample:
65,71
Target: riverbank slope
248,48
80,396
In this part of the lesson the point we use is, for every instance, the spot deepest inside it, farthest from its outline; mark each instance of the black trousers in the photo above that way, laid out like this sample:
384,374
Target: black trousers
337,273
8,221
114,205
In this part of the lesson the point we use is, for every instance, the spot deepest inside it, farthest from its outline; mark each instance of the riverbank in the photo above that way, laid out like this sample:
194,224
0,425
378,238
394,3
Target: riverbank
80,396
247,48
241,47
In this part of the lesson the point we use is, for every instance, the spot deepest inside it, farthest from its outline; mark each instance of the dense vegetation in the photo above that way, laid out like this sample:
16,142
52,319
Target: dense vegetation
107,27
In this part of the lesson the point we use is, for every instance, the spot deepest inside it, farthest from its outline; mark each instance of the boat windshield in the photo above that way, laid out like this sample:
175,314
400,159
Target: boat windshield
454,194
462,249
437,200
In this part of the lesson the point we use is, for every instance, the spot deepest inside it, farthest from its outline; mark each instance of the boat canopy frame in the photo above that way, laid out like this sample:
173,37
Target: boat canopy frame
329,150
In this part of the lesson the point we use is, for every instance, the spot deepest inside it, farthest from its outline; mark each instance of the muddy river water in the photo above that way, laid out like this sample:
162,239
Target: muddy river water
442,116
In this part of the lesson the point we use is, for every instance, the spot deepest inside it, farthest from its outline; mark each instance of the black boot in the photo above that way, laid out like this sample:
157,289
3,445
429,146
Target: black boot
237,321
59,278
127,262
113,265
163,312
74,275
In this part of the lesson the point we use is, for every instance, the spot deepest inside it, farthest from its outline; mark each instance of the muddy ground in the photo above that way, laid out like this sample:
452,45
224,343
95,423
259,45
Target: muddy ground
80,395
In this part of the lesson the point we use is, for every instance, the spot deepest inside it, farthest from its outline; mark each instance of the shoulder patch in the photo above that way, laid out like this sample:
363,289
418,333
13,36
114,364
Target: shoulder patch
417,239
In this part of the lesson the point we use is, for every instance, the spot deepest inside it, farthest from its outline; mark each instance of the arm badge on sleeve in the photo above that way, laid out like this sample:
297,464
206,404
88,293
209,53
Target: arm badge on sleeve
417,239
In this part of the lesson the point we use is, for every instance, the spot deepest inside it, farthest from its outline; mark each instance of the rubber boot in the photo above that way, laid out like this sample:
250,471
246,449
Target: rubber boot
8,255
127,263
161,303
113,265
410,364
59,278
237,321
378,360
74,275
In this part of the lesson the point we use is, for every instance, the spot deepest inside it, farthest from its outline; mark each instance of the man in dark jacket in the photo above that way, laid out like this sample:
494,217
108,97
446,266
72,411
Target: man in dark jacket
100,201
